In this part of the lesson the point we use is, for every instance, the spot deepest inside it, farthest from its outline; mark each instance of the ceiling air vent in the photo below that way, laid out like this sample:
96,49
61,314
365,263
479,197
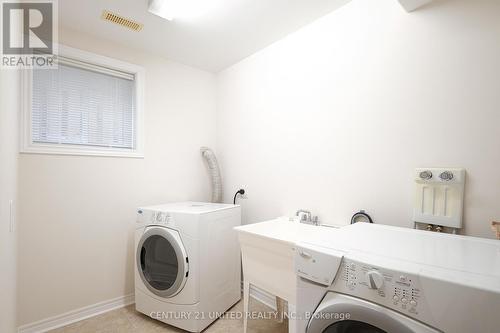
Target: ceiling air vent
117,19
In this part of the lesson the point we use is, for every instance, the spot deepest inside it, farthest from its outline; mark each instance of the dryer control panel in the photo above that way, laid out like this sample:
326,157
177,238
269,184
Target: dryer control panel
396,290
153,217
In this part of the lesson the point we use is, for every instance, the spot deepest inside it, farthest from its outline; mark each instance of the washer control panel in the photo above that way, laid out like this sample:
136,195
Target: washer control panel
396,290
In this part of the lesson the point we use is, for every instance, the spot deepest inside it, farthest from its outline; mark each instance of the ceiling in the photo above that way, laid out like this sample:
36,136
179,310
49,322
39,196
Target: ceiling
220,35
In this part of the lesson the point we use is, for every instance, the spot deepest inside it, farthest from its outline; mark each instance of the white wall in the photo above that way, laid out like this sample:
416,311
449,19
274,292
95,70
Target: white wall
9,107
77,213
333,118
336,116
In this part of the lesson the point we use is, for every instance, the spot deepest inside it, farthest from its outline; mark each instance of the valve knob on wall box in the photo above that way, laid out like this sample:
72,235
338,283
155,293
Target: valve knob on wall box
439,196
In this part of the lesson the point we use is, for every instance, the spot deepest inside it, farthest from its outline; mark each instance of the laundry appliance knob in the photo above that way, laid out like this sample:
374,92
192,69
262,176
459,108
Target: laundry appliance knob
375,280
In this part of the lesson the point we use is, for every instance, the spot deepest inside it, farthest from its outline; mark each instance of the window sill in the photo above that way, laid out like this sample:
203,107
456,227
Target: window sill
78,151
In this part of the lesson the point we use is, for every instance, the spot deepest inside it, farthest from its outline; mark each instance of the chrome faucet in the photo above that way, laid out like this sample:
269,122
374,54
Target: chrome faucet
305,216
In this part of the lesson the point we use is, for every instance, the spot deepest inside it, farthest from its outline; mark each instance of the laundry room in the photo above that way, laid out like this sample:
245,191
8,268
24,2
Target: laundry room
250,166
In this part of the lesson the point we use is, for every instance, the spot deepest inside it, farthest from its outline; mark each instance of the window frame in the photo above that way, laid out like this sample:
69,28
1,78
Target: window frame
26,140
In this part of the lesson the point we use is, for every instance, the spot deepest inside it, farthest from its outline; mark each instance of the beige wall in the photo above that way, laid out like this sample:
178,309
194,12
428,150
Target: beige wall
77,213
336,116
9,107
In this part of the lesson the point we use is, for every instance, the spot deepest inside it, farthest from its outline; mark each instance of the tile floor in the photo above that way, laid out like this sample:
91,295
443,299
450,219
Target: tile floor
127,320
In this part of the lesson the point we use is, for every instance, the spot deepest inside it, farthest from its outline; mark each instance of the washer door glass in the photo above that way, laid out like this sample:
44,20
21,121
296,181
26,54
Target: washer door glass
161,262
350,326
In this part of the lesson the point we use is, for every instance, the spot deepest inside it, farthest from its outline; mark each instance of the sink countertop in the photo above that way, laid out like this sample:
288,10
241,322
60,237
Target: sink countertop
288,230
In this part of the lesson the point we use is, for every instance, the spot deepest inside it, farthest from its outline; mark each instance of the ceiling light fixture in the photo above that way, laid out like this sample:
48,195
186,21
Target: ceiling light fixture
161,8
183,9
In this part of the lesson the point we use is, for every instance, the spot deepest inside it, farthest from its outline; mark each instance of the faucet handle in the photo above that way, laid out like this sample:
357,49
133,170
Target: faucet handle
315,220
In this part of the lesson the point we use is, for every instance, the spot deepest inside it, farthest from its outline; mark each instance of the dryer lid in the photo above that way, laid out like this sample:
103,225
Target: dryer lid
189,207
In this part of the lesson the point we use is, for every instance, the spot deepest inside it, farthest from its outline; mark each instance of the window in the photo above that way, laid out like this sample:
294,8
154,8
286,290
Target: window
89,105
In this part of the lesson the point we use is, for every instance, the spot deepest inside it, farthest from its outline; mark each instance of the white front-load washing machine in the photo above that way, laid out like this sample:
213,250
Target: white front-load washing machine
381,279
187,262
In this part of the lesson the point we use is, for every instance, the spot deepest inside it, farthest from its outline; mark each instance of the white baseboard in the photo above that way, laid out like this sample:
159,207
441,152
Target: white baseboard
263,297
70,317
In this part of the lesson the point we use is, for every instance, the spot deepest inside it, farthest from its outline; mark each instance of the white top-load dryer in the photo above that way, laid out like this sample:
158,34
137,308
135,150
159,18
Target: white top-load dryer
374,278
187,262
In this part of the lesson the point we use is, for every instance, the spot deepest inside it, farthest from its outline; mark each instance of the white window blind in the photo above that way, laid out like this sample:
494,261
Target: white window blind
85,105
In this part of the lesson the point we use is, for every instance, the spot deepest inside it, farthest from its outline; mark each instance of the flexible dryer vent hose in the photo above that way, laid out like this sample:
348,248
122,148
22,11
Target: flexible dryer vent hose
214,170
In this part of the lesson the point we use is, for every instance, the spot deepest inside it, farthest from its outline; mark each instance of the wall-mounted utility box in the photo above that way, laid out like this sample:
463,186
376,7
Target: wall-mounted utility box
439,196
